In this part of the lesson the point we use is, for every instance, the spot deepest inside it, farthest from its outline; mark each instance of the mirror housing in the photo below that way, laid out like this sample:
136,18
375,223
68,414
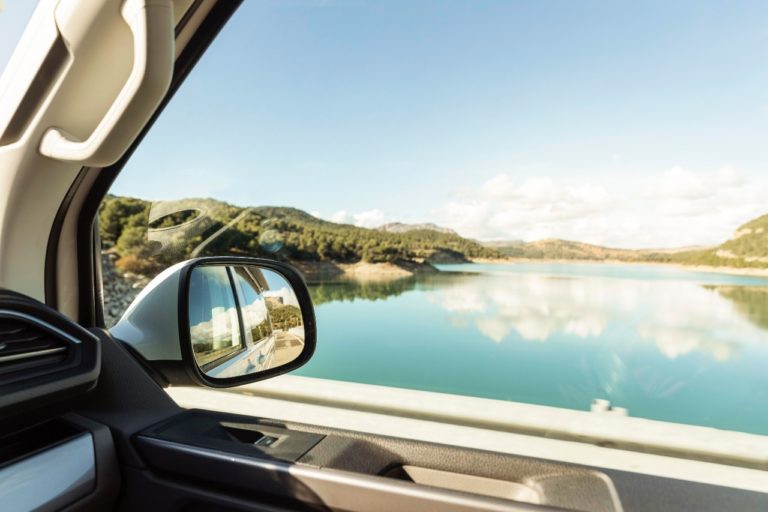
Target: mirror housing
229,349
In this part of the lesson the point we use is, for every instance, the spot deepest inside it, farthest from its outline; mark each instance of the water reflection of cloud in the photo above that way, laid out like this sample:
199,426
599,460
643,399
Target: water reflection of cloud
585,327
495,328
680,318
674,342
532,306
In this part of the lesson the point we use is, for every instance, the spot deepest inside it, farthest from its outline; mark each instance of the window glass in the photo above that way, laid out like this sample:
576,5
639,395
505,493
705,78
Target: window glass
213,319
559,204
255,316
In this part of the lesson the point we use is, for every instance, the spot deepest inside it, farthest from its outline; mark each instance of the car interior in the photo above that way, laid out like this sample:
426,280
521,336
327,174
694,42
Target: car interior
97,419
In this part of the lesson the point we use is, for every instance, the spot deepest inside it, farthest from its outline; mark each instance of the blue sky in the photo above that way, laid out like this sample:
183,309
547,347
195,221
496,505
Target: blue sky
636,124
14,15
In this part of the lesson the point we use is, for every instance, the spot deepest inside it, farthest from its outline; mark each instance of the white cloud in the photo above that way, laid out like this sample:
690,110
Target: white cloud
341,216
369,219
532,208
670,208
673,207
365,219
678,184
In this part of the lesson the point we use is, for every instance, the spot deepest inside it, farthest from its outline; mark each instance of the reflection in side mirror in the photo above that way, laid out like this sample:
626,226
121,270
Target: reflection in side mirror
242,319
221,321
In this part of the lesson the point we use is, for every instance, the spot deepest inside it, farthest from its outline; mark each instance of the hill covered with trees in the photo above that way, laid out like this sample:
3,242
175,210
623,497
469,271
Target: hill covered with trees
149,236
555,249
750,242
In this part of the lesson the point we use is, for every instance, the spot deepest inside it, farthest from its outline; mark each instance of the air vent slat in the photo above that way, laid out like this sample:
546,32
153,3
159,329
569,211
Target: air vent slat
9,330
24,346
20,336
4,358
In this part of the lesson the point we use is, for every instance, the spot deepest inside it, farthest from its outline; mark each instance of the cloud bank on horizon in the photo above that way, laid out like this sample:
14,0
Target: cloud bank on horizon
676,207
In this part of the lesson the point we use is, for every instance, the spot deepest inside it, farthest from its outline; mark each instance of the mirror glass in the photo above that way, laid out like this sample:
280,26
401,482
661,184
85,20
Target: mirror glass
243,319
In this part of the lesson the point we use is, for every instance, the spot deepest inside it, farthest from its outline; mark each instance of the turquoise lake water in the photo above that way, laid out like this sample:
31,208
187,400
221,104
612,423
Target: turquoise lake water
666,343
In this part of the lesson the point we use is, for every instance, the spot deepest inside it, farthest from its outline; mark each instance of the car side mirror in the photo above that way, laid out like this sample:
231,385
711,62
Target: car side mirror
221,321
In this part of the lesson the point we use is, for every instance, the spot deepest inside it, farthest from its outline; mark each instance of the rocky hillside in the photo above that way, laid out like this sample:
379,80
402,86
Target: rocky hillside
401,227
749,242
747,249
120,288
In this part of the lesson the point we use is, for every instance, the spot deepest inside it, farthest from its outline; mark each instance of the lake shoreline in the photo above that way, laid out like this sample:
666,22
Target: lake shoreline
324,270
362,270
738,271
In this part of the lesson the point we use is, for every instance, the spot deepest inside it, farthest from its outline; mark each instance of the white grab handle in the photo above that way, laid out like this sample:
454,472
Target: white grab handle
151,24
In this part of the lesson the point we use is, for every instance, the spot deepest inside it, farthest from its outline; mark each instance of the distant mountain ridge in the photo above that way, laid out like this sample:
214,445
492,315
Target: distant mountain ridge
401,227
557,249
747,248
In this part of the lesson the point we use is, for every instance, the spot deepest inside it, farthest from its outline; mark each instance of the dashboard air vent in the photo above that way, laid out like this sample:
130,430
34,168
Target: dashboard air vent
25,347
45,360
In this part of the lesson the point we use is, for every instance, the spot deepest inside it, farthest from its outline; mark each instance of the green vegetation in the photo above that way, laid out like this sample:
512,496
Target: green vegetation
260,330
751,240
708,257
284,317
747,249
750,301
350,290
206,356
180,227
563,250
